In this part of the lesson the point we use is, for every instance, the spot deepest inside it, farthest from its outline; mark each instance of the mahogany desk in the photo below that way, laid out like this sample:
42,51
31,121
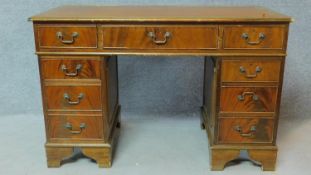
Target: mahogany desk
244,50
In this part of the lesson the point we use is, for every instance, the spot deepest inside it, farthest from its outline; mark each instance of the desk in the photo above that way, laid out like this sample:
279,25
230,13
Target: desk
244,50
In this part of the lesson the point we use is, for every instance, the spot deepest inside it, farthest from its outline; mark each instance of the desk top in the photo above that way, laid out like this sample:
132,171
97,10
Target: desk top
161,14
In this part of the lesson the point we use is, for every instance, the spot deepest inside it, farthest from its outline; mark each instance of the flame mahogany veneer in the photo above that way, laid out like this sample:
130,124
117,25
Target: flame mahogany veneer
244,50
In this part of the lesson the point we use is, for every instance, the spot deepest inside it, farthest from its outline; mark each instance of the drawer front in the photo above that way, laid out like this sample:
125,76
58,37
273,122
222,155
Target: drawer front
248,99
52,36
70,68
75,127
253,37
250,70
73,97
163,37
241,130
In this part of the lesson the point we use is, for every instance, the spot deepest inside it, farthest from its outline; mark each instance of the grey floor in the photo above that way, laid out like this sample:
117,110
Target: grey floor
158,146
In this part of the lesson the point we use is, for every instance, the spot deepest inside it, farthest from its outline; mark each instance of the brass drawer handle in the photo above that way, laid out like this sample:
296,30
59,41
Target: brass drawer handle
249,134
152,35
71,74
261,37
257,71
69,101
242,96
60,36
69,127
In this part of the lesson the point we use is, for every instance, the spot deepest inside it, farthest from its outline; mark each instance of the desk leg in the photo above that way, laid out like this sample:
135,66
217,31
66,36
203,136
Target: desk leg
220,157
101,155
267,158
55,155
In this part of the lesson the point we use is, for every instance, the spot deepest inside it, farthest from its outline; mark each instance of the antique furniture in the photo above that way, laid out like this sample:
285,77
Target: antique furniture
244,50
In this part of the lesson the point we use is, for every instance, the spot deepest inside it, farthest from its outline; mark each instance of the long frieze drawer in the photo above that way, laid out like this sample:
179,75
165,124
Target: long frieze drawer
73,98
245,130
73,68
251,70
160,37
73,36
75,127
253,37
248,99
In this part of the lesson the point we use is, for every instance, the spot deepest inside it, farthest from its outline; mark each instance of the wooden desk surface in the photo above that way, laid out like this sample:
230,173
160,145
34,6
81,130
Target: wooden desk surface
161,14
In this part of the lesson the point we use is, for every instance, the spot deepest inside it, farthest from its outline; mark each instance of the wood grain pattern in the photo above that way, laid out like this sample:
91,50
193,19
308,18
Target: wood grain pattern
229,101
270,70
47,36
240,108
102,156
219,158
267,158
55,100
56,155
57,127
52,68
263,130
161,14
182,37
274,36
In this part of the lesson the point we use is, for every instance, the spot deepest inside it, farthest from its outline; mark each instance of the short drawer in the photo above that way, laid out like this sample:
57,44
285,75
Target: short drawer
248,99
72,98
73,68
250,70
160,37
253,37
75,127
245,130
58,36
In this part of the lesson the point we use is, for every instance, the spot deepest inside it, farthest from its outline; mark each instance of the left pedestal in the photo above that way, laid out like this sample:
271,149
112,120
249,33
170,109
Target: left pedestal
81,106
